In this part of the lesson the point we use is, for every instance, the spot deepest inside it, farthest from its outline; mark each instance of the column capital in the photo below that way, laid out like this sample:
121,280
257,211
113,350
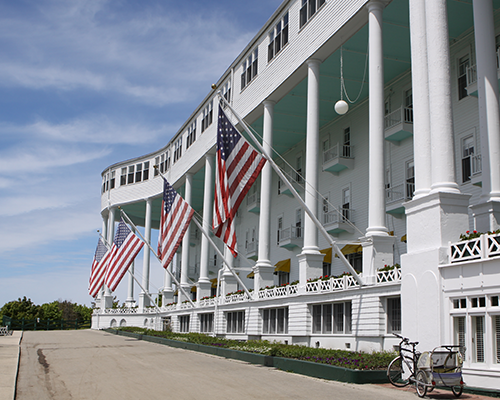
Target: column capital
375,5
269,103
314,61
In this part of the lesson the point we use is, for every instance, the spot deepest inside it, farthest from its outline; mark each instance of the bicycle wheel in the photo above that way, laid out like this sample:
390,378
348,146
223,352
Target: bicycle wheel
421,383
396,371
457,390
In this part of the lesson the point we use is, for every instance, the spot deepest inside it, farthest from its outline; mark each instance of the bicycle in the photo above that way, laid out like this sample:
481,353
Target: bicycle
402,370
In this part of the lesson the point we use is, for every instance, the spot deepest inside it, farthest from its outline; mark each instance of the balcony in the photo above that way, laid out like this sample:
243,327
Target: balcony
253,203
295,178
395,196
398,125
338,158
289,238
252,250
340,221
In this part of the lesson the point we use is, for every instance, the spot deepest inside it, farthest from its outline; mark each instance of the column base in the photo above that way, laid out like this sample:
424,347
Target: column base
310,266
143,301
180,295
167,296
106,301
228,283
377,253
204,289
130,303
486,216
263,275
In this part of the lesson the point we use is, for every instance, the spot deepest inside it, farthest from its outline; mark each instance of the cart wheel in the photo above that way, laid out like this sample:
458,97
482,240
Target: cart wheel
420,383
457,390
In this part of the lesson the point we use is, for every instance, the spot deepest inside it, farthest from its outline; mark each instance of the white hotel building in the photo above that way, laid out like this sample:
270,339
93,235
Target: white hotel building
412,165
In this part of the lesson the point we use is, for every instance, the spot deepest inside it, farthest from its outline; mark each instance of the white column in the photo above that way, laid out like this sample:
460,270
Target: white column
378,251
168,292
310,260
438,53
487,212
376,187
108,297
204,284
185,242
263,270
420,92
143,298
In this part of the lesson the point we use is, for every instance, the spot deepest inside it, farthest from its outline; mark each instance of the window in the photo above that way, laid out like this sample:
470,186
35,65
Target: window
280,228
226,91
123,177
235,322
207,116
496,336
356,261
138,172
283,278
298,222
206,323
494,301
278,37
298,168
346,203
308,9
157,163
408,105
275,320
478,302
130,178
463,65
410,179
460,303
191,135
177,149
327,268
249,68
108,181
393,315
184,323
145,171
346,149
326,208
332,318
467,155
459,333
167,160
478,339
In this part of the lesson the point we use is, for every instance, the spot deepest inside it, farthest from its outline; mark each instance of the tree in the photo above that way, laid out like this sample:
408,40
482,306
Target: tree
21,308
51,310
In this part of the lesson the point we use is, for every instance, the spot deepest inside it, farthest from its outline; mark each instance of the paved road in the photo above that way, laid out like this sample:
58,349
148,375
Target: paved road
97,365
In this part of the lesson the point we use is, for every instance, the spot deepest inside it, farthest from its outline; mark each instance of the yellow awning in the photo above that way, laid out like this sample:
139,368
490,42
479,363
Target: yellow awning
403,238
351,249
328,255
193,289
214,282
251,275
282,266
176,293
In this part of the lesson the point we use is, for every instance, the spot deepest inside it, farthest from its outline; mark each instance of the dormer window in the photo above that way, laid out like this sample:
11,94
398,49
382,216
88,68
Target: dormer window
278,37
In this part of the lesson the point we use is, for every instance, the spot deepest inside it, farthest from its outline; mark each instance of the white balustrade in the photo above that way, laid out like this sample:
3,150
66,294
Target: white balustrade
483,247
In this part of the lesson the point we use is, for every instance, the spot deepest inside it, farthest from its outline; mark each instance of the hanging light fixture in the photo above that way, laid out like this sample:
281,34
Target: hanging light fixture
342,107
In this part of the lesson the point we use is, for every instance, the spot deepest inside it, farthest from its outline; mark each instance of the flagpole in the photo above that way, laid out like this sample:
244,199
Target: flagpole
156,255
135,279
207,235
313,217
222,257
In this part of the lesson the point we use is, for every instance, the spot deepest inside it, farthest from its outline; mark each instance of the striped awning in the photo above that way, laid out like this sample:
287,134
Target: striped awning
328,255
282,266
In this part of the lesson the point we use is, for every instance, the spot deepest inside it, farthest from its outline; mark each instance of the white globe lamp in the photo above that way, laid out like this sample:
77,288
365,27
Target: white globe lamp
341,107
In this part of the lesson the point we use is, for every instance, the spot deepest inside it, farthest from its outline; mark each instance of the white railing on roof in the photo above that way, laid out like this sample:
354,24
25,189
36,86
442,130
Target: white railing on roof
336,151
280,291
170,307
483,247
120,311
394,275
402,114
235,298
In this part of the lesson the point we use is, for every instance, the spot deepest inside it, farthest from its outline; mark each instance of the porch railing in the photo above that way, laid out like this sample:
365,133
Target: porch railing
402,114
336,151
483,247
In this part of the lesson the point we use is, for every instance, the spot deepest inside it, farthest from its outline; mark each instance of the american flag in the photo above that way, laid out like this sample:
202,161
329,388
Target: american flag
98,269
176,215
125,248
238,165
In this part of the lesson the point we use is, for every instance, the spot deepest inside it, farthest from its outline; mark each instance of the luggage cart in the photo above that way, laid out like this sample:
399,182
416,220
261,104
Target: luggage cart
441,367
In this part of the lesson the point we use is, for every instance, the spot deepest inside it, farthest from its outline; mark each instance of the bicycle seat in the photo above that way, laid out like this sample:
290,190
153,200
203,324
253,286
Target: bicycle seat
413,343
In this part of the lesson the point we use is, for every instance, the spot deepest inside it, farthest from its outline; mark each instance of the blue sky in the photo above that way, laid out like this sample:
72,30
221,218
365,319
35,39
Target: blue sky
85,84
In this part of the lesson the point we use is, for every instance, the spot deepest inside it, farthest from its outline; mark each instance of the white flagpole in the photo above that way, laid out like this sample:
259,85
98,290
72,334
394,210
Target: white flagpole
318,224
207,235
156,255
133,276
